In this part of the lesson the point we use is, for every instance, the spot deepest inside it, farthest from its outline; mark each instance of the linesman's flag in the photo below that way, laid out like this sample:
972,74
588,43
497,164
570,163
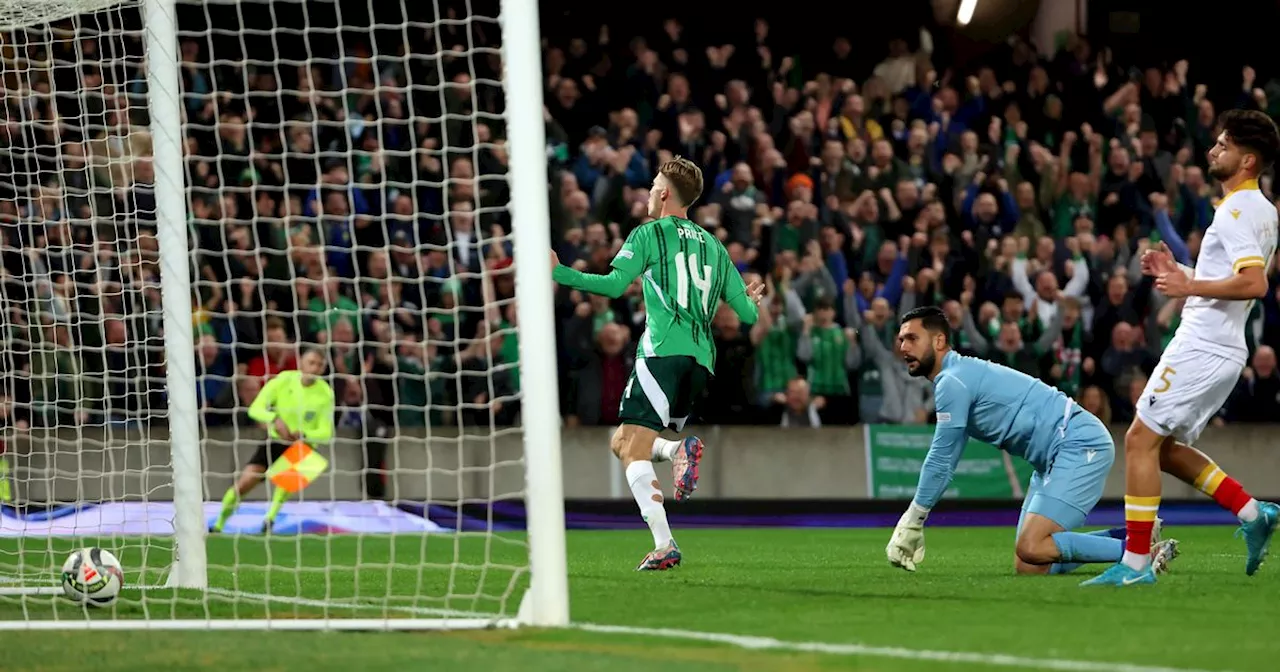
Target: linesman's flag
297,468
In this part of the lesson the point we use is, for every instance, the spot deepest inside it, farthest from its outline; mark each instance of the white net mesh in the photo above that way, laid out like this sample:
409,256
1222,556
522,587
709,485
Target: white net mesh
347,187
24,13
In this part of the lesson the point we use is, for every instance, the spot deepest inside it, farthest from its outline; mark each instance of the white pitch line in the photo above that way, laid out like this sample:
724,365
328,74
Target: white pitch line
763,643
748,641
992,659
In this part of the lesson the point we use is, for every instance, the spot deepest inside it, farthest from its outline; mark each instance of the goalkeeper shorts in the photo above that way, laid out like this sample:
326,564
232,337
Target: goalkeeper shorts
662,391
1073,484
267,453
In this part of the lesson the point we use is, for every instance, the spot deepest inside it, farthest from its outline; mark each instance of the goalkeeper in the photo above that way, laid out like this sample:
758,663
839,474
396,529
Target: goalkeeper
1071,450
687,272
292,406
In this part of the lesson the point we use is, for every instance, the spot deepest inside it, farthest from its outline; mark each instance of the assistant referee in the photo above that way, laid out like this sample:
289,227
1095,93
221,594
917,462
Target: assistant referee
292,406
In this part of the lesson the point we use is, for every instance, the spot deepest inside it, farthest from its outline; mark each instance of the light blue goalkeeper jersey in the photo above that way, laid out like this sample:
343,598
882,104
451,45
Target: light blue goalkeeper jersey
997,405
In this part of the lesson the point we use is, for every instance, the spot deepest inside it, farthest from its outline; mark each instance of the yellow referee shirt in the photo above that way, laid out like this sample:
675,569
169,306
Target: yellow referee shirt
305,409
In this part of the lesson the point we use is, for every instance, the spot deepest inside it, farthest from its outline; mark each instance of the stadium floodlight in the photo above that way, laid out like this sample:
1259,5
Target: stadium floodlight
178,164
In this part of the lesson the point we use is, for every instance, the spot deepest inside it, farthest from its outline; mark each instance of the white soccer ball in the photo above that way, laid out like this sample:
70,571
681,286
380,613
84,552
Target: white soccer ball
92,576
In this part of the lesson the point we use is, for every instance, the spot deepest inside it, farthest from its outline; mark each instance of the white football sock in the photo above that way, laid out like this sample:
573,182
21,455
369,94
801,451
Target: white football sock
648,494
1137,561
1249,512
664,450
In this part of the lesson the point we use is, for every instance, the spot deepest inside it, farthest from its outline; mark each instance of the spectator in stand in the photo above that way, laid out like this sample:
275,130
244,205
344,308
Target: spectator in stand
278,353
731,391
1094,400
600,380
365,206
1123,362
214,392
774,337
881,368
1257,399
829,353
797,406
1067,357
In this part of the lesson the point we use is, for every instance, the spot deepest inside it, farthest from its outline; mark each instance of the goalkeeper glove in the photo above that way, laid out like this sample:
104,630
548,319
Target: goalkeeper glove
906,547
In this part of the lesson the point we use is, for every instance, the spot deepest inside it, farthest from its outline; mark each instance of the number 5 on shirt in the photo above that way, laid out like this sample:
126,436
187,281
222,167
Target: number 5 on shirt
1165,383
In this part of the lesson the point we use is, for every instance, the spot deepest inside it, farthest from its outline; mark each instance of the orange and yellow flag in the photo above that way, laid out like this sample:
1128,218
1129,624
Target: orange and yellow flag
297,468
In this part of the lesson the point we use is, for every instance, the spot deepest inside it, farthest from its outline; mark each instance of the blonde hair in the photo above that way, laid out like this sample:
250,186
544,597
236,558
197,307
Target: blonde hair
685,179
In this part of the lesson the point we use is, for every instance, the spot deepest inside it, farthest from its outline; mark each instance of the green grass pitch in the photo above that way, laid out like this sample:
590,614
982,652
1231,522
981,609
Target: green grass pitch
818,586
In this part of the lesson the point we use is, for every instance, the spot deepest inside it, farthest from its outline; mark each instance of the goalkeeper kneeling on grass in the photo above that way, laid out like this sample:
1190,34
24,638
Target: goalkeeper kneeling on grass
296,408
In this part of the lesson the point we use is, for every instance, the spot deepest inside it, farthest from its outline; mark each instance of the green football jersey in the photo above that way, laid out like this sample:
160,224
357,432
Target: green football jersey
686,272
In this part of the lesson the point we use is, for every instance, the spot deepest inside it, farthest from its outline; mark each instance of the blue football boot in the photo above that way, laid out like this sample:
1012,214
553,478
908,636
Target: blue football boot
1257,535
1121,574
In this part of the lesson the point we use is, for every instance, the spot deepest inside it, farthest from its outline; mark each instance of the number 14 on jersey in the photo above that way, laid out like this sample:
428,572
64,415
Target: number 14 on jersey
689,271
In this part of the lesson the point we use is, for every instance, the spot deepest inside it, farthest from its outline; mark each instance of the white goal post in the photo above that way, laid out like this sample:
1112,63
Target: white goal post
192,193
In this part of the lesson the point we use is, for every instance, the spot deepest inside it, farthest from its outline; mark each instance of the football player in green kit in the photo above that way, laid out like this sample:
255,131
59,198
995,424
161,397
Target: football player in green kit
687,272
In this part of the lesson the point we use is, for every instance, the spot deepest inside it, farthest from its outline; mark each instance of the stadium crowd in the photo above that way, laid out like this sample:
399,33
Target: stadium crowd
359,201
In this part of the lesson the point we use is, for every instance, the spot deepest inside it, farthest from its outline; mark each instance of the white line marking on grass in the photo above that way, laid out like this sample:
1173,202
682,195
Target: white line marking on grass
993,659
751,642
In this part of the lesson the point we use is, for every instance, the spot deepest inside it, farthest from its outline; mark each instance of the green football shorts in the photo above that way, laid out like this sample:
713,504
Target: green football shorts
661,392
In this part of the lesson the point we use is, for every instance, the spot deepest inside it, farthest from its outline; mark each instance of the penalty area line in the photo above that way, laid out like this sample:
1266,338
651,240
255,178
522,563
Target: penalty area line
901,653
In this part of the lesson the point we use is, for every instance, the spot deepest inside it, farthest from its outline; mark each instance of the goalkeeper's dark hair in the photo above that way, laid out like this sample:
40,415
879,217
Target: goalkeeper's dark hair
1254,132
931,318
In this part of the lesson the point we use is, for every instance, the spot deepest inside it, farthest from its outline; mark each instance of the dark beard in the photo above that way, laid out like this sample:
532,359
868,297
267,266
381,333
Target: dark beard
924,365
1220,173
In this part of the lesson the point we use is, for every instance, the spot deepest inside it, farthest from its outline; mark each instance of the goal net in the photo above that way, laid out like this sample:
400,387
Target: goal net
192,194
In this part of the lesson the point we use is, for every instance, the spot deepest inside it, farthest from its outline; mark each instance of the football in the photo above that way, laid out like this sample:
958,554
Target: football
92,576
